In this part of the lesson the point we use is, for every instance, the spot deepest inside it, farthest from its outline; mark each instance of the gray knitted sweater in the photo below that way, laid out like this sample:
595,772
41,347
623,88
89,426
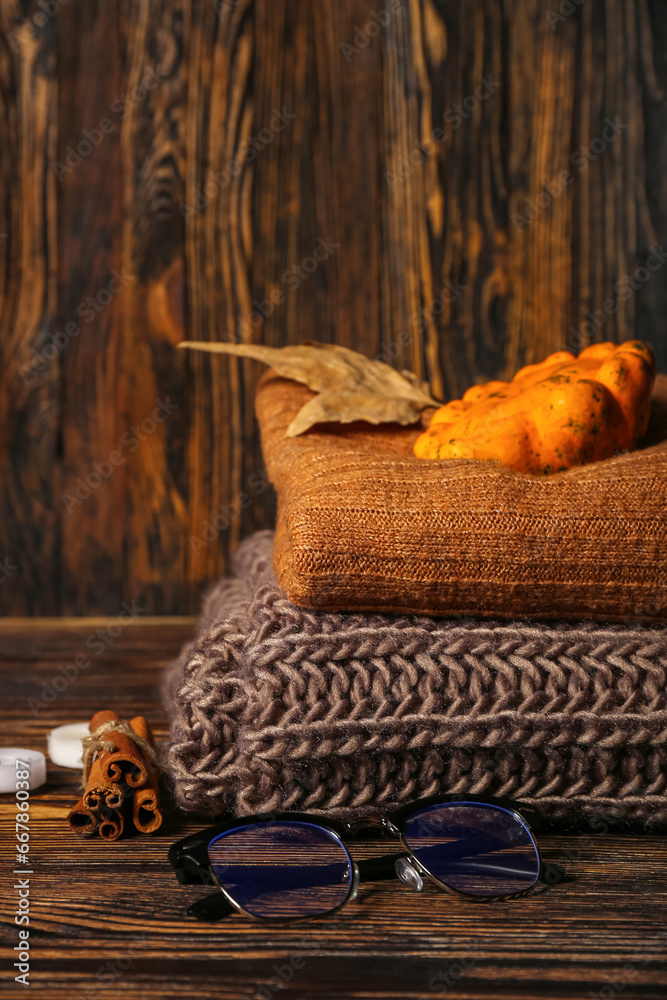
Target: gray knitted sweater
276,707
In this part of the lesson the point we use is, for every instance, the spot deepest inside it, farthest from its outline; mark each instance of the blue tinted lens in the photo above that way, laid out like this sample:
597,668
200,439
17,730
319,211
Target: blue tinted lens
481,850
282,869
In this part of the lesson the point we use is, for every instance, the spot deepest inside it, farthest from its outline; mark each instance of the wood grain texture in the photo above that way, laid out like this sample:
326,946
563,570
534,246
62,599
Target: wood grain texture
109,919
30,409
451,159
153,150
219,120
91,375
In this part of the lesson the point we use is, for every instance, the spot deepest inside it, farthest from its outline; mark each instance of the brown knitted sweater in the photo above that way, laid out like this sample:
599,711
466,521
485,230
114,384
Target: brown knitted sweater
275,707
364,525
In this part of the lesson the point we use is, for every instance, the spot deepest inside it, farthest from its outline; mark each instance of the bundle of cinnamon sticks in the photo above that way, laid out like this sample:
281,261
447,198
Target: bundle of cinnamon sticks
120,779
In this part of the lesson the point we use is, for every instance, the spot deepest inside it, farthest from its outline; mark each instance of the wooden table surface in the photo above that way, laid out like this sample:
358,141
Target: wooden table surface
109,919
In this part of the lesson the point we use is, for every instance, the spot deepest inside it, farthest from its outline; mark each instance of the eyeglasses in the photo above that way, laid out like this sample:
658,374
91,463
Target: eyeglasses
290,866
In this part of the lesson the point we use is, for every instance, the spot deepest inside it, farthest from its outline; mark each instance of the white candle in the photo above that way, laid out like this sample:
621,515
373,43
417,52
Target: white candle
64,744
16,763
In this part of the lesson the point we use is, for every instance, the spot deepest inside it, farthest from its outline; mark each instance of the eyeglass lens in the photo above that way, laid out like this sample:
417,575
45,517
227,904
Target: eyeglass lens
282,869
477,849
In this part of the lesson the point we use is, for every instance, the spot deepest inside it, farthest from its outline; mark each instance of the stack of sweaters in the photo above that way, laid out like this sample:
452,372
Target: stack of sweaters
444,649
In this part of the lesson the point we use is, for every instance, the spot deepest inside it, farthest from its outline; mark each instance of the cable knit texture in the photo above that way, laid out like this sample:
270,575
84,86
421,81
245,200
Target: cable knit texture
274,707
364,525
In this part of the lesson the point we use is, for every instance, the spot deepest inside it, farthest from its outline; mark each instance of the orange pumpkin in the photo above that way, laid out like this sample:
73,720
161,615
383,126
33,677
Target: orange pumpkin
563,412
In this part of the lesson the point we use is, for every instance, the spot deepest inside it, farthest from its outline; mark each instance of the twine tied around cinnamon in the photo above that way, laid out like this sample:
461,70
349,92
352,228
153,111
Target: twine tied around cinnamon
95,743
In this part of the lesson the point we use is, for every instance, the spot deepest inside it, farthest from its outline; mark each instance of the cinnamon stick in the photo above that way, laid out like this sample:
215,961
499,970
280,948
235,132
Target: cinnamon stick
101,793
112,824
125,760
146,813
82,820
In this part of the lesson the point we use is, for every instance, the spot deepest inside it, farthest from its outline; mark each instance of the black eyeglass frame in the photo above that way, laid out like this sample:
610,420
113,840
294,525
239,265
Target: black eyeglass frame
191,863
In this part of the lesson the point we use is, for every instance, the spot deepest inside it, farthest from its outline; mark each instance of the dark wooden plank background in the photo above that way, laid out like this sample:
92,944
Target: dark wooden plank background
418,225
108,920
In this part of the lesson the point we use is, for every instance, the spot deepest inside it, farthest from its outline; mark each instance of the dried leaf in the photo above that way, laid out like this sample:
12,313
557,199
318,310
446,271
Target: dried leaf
350,386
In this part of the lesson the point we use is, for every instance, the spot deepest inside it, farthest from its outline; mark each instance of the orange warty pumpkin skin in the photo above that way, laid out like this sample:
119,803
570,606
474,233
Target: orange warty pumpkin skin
563,412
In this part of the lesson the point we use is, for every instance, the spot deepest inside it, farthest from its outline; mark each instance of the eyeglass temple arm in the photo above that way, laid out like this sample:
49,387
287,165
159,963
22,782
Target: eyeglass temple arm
191,870
552,874
383,867
190,866
211,908
379,869
215,907
376,869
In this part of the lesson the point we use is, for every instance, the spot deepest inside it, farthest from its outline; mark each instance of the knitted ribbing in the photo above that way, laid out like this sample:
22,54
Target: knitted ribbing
275,707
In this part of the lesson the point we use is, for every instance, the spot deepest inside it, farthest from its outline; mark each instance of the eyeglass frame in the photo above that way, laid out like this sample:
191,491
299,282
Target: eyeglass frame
192,865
